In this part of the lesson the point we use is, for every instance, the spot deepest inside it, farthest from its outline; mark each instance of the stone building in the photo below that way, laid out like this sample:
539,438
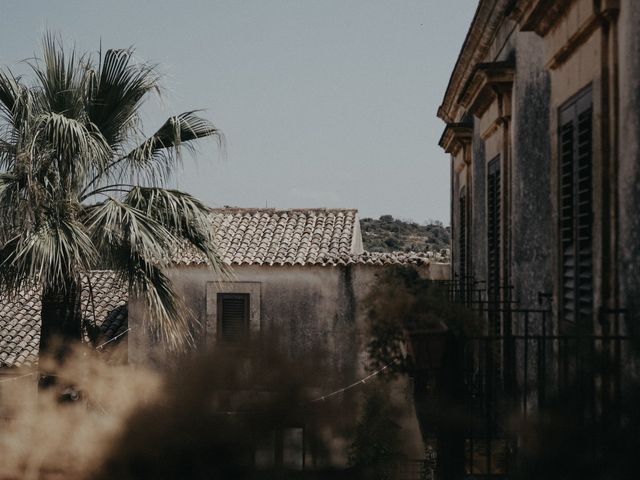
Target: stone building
303,276
542,121
542,116
298,276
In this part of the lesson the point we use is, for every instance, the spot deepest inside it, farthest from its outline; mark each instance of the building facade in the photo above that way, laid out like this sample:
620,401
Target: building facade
299,278
542,125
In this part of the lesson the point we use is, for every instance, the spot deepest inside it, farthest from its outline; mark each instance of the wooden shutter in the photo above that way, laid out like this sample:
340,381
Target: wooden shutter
462,239
494,214
576,209
233,316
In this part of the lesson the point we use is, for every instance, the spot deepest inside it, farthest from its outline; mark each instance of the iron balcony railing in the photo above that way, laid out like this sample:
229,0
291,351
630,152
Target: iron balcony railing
520,369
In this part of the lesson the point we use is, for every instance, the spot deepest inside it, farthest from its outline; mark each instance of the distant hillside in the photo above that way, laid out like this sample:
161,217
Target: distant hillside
388,234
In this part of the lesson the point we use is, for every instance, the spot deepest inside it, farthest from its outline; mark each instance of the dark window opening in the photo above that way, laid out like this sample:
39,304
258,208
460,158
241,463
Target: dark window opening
233,316
494,225
462,242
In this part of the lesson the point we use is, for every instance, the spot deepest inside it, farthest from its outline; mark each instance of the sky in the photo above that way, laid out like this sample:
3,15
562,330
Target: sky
323,103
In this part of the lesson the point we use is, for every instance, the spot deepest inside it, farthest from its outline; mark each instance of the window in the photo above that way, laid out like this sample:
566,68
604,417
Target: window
232,311
233,316
494,225
576,209
462,240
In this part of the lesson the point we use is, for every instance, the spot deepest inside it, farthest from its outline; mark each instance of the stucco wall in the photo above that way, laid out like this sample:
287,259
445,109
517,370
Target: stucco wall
308,307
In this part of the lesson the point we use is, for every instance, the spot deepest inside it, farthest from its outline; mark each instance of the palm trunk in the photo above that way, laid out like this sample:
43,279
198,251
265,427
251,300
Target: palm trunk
61,324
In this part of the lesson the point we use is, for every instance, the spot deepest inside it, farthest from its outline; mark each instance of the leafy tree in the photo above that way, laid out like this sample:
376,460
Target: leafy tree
81,187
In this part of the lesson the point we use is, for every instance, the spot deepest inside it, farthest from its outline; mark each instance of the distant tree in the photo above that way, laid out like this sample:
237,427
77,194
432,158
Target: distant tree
392,243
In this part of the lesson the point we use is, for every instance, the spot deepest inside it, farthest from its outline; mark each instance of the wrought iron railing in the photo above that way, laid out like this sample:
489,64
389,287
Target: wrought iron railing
523,367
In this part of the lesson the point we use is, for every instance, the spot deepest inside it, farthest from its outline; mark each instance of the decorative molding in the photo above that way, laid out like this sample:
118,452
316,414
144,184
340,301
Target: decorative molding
574,42
541,15
455,137
495,125
608,12
486,22
486,84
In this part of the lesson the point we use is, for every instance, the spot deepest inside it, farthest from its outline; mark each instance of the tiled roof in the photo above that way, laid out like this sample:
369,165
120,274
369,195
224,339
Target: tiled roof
266,236
281,237
20,318
325,237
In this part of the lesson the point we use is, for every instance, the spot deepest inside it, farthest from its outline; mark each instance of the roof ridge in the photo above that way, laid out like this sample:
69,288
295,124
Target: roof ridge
277,210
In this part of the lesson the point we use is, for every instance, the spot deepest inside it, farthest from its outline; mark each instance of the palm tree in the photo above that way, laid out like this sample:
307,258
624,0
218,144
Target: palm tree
81,188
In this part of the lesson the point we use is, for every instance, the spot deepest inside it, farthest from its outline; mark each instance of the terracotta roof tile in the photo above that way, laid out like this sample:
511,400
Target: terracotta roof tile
20,318
279,237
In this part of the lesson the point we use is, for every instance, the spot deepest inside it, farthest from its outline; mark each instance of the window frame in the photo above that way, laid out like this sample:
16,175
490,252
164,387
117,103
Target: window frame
253,289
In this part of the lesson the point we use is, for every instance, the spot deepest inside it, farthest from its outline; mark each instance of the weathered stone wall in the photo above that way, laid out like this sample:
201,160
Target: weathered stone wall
532,239
629,171
478,240
309,308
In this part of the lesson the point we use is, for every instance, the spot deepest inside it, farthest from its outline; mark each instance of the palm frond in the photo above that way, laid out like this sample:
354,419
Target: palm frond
117,92
112,223
159,155
137,247
7,181
61,78
167,317
16,109
183,215
10,94
78,146
54,252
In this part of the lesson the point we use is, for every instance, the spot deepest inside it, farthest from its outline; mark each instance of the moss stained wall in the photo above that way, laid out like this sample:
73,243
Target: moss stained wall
532,227
629,155
308,308
478,240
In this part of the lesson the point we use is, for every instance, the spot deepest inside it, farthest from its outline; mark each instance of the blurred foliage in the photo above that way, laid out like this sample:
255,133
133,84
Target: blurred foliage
376,448
402,301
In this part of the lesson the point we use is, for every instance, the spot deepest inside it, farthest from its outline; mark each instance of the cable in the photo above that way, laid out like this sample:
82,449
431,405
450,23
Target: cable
112,339
354,384
17,378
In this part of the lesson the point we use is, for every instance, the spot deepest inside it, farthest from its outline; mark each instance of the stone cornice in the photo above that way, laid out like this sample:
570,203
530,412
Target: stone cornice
486,82
456,136
540,16
488,17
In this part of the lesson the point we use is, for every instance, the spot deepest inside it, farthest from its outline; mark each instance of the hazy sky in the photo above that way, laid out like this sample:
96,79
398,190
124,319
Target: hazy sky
324,103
